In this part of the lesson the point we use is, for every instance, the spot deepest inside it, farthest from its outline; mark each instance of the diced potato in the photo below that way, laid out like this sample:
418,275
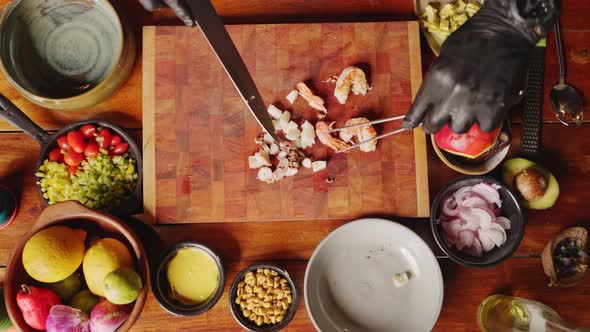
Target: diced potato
460,19
444,25
460,7
450,17
447,11
430,14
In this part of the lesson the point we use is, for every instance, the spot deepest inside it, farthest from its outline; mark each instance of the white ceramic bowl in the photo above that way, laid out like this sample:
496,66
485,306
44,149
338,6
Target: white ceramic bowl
348,281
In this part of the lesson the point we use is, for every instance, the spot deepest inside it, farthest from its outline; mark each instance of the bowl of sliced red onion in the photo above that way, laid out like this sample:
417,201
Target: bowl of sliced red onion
477,221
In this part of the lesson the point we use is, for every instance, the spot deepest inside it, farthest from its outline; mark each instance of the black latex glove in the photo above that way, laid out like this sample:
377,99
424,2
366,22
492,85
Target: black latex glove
178,6
481,71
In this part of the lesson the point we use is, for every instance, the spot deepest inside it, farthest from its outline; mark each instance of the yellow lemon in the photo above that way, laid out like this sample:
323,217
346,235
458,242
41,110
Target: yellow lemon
101,258
54,253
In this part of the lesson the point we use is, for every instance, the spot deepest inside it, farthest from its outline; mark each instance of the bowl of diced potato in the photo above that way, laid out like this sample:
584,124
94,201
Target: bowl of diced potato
439,19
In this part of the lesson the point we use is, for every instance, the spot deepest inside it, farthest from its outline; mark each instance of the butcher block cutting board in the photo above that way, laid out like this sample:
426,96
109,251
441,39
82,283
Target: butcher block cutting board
198,133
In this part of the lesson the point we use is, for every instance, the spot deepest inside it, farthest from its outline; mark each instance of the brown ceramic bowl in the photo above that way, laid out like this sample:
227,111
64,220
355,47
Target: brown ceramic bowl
97,224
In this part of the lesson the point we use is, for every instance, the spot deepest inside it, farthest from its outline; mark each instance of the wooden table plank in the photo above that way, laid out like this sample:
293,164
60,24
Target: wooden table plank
124,107
239,244
465,288
567,154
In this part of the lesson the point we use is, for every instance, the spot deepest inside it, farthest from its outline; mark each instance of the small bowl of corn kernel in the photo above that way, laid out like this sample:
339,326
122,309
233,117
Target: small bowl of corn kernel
263,298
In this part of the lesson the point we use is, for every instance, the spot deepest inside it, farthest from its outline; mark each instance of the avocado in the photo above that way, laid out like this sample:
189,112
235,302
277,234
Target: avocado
511,168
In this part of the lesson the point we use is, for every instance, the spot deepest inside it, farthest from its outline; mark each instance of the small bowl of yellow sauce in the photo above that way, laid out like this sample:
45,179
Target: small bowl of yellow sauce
189,279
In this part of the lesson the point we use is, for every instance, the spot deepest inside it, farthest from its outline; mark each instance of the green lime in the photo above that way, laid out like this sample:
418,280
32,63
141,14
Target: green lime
84,301
67,288
122,286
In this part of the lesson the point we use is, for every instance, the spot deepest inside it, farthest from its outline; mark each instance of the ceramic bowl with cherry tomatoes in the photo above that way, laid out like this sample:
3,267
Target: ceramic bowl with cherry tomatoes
86,142
91,163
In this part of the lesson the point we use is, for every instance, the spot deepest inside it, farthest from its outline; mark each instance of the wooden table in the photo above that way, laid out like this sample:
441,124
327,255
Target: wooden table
567,153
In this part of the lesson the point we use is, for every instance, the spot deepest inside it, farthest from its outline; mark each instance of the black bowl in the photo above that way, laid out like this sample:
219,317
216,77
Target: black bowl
511,209
246,323
130,205
161,287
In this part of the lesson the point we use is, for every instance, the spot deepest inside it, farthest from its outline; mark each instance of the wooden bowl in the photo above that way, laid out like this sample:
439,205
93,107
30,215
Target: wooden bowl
578,233
97,224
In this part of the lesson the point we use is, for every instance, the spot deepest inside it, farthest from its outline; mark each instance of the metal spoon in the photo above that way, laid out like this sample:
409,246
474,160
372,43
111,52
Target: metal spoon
565,99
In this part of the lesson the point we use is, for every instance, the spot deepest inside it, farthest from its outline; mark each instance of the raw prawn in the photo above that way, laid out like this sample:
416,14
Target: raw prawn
321,130
313,100
351,77
362,133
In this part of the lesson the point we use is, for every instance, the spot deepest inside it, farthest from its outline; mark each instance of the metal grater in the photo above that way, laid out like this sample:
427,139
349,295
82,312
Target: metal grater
533,104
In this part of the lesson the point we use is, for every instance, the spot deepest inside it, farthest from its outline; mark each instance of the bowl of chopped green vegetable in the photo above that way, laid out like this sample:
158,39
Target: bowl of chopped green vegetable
565,258
93,162
439,19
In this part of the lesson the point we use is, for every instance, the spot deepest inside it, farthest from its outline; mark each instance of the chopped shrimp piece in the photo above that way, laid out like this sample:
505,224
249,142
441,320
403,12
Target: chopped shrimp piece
321,130
313,100
362,133
292,96
319,165
351,77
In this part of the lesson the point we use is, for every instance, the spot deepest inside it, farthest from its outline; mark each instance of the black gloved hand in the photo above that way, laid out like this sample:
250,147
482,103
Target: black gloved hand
178,6
481,71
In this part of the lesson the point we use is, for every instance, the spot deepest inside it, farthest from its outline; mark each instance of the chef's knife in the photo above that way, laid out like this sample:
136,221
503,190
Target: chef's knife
216,35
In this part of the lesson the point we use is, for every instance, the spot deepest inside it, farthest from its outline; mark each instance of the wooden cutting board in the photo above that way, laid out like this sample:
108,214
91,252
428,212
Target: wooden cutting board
198,132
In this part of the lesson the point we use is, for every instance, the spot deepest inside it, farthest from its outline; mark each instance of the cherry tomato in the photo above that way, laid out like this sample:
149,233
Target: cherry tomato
72,170
73,158
63,143
104,139
116,140
55,154
91,150
88,130
120,149
76,141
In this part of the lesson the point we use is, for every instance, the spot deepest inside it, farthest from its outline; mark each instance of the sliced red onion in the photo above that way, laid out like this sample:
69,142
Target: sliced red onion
474,201
497,234
465,239
452,228
458,195
497,211
471,219
504,222
487,243
489,193
475,249
480,216
450,208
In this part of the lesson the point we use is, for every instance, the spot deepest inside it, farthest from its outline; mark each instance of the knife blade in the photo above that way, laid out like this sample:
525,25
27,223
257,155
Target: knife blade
220,42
